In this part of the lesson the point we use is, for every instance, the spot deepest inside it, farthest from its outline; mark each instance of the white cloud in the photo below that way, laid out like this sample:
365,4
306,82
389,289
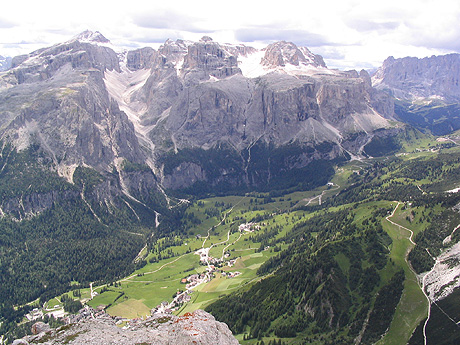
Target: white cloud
5,23
276,33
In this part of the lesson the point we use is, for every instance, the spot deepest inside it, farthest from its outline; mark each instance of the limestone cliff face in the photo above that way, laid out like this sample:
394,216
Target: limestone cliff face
207,58
275,108
56,99
86,105
184,175
140,58
28,205
198,95
410,78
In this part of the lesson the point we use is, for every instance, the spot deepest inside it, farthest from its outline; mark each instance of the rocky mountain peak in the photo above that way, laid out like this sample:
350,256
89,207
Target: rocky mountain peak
389,60
177,43
281,53
91,37
208,58
412,78
174,49
183,95
206,39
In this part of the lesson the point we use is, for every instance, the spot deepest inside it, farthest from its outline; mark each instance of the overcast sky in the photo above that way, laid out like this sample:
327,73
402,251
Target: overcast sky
347,33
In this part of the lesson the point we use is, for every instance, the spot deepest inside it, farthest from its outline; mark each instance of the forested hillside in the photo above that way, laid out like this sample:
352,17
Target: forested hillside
330,282
56,236
340,279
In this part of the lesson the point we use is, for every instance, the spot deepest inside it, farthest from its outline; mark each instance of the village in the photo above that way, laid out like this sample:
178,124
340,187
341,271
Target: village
164,309
214,265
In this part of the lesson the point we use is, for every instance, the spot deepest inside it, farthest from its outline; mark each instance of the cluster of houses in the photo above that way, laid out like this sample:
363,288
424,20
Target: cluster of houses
166,308
35,314
215,261
230,274
195,279
231,262
182,298
161,309
218,263
38,313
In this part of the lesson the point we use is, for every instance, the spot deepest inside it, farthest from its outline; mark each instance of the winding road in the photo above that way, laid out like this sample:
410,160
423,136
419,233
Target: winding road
209,231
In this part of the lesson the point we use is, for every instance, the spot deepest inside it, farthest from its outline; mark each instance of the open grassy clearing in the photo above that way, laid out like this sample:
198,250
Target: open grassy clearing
130,308
105,298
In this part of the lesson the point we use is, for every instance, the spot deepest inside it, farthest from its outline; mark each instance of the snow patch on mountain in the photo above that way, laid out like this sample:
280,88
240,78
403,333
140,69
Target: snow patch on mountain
251,66
121,86
5,63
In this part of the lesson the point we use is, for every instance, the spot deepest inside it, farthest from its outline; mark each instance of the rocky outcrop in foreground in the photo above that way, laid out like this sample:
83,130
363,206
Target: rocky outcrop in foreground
198,327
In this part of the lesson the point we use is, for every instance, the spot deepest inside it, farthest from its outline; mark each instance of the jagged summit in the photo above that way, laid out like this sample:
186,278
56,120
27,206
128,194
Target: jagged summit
91,37
282,57
281,53
206,39
177,47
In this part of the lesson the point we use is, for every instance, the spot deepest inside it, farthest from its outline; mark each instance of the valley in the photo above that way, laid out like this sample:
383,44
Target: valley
237,235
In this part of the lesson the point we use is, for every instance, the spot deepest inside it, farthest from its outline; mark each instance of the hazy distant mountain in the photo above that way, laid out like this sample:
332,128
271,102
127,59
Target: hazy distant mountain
435,77
427,90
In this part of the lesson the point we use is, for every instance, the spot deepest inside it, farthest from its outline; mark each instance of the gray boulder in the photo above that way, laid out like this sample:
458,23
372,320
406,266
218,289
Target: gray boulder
40,327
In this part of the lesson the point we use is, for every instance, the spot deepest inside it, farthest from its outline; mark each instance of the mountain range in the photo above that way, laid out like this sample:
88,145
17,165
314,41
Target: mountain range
150,106
85,103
